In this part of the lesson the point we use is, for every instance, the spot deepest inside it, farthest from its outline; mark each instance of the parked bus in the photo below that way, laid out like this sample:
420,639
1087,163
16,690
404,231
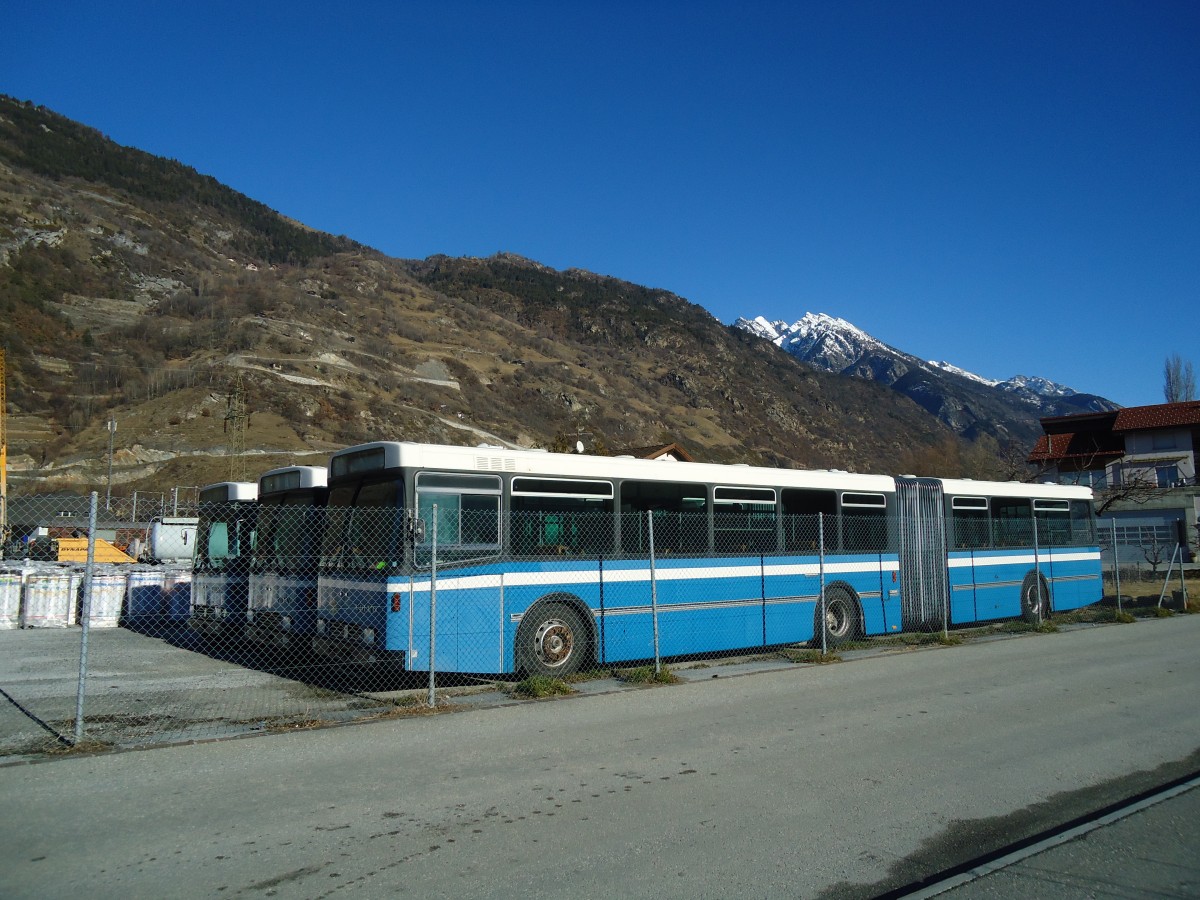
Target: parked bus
541,563
221,568
282,603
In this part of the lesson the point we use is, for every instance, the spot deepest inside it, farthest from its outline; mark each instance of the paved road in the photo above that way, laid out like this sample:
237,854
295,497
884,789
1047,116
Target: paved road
1149,852
842,780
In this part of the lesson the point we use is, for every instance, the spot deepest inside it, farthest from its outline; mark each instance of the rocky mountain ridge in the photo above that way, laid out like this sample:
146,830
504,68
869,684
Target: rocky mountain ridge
134,289
966,402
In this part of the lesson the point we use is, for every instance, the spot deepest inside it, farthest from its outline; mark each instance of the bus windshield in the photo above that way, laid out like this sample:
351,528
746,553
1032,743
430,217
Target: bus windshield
363,529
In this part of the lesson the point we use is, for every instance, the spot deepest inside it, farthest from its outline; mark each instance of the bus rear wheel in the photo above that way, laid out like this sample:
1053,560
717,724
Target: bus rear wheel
841,618
1035,599
552,640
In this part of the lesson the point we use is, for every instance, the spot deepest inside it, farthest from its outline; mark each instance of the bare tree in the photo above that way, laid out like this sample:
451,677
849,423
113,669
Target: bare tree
1154,550
1179,379
1136,486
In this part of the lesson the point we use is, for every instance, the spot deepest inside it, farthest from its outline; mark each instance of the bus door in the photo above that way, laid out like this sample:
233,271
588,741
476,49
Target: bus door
924,581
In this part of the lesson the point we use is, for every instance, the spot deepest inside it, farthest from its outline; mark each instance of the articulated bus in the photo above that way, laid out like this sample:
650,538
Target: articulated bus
542,563
282,604
221,568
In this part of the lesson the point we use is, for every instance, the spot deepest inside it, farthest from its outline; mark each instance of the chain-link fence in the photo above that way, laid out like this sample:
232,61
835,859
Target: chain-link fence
245,616
1142,574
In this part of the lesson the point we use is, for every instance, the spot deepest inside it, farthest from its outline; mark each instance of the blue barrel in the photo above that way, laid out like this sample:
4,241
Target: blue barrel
145,598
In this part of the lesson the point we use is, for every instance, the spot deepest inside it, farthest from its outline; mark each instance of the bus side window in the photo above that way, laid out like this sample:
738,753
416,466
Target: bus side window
969,523
801,506
218,544
1082,524
468,510
864,526
1012,522
1053,522
558,516
744,520
680,516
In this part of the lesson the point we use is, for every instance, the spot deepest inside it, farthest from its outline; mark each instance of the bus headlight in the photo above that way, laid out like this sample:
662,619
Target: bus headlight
368,635
285,623
320,626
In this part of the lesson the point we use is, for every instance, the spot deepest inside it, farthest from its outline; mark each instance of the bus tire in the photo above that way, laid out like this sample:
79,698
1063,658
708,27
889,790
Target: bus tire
843,620
1035,599
553,640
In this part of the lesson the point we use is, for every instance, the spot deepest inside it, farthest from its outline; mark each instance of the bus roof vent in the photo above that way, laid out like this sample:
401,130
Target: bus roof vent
496,463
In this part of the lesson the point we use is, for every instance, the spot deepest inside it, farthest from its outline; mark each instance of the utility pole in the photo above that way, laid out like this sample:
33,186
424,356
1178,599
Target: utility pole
236,417
112,430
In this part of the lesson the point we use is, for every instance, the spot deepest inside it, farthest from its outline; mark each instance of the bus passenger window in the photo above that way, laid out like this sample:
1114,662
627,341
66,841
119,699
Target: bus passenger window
1053,522
744,520
863,525
468,511
1082,524
1012,522
969,523
558,516
680,516
801,508
218,544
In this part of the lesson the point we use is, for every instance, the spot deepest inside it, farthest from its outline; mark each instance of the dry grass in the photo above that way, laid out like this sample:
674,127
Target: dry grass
538,687
647,675
810,657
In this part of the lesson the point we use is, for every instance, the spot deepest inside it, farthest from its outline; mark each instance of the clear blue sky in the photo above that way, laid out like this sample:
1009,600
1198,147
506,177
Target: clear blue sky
1012,186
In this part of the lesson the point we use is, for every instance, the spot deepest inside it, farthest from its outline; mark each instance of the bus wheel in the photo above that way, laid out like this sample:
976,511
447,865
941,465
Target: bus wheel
841,617
1035,599
552,640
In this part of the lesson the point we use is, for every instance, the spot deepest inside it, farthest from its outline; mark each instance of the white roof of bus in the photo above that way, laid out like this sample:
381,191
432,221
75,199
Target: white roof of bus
498,460
310,476
965,487
228,492
486,458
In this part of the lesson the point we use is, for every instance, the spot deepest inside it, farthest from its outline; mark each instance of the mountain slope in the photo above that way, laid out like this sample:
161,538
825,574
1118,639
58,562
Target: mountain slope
134,288
1007,411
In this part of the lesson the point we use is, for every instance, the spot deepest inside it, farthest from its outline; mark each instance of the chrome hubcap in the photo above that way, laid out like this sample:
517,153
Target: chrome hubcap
553,642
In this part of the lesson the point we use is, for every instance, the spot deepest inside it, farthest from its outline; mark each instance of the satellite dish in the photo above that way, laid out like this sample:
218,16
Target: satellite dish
579,446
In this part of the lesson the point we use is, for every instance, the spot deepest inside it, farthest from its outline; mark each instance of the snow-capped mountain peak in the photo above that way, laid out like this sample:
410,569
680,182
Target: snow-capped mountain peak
821,339
955,370
1043,387
968,403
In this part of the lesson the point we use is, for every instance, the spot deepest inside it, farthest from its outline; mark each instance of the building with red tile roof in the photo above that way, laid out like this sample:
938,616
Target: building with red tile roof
1141,460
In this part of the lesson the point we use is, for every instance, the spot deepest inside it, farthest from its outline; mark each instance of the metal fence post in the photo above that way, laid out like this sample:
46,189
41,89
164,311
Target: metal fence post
653,591
1177,552
433,610
1182,584
821,565
1037,570
1116,564
87,617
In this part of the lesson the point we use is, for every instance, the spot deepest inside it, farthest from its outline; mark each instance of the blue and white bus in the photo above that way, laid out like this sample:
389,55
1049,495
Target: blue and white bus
221,567
282,603
541,563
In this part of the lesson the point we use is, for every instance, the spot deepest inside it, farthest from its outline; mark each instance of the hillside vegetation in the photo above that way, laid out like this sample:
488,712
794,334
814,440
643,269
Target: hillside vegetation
136,288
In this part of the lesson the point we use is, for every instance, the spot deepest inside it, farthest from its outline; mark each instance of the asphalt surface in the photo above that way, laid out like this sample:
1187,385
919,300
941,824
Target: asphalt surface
1148,851
848,780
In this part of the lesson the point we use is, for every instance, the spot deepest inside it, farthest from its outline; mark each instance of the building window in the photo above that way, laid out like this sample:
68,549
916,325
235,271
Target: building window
1168,476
